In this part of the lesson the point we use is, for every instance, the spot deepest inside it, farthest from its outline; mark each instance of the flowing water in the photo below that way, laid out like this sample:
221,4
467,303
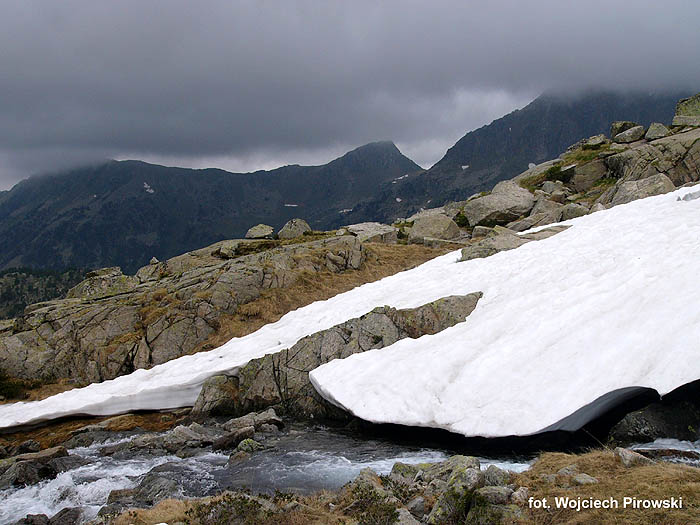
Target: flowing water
299,460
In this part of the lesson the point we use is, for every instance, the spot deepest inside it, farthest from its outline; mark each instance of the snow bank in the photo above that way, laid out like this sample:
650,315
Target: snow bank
604,305
608,304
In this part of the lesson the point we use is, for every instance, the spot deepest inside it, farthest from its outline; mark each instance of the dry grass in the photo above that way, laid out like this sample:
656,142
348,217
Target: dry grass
382,260
313,511
56,433
659,481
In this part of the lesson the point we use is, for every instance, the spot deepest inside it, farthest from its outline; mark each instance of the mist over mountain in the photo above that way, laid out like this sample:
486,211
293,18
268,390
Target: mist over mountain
504,148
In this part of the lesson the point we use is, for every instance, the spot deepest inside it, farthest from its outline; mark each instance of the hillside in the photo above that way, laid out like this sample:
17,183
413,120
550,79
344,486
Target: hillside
124,213
502,149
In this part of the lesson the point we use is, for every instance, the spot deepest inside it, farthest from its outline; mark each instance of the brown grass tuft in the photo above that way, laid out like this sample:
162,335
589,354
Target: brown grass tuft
658,481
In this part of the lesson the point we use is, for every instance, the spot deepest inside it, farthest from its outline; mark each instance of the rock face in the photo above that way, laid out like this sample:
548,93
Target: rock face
260,231
294,228
282,380
507,202
435,226
168,310
586,175
216,397
688,112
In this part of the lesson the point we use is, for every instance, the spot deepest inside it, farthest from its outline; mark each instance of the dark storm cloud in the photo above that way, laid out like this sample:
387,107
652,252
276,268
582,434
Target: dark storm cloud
257,82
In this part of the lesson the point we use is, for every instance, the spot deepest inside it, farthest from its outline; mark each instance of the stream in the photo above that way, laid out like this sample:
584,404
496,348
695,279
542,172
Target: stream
301,459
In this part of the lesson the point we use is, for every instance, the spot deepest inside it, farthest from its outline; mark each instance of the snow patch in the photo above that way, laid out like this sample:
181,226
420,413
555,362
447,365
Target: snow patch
148,188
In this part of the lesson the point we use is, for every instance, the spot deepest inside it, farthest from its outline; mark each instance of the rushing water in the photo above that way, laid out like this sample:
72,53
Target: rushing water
674,450
299,460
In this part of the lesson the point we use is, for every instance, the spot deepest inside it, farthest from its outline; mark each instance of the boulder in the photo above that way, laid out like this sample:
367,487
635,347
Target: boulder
233,439
595,141
620,126
583,479
506,203
69,516
573,210
639,189
461,483
631,135
629,458
217,398
260,231
550,186
436,226
374,232
656,131
495,495
33,519
293,229
586,175
405,518
481,231
688,112
496,476
249,446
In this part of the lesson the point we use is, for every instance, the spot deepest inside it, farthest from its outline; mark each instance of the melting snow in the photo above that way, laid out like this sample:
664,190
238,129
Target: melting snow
604,305
148,188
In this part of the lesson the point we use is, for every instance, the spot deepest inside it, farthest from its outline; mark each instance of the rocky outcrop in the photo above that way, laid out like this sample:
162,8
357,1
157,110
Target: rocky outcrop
502,239
30,468
293,229
638,189
167,310
656,131
631,135
282,379
688,112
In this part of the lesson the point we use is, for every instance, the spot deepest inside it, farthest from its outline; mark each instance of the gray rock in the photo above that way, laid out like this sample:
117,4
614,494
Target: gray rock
403,472
572,210
405,518
597,207
233,439
586,175
688,112
569,470
680,420
480,231
436,226
503,239
260,231
631,135
69,516
506,203
596,141
374,232
640,189
629,458
461,482
294,228
620,126
155,487
217,398
496,476
656,131
417,507
583,479
103,283
558,196
430,212
495,495
520,496
550,186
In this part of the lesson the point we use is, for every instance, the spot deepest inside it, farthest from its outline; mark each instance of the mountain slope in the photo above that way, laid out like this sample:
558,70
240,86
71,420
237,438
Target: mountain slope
123,213
500,150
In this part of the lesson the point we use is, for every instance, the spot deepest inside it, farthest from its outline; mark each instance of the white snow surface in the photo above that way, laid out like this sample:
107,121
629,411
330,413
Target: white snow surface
607,304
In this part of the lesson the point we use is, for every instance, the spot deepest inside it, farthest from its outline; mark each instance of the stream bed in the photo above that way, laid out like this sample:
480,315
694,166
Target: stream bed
300,459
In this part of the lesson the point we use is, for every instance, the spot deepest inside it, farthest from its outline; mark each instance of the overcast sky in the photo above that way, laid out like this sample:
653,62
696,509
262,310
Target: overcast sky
256,84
